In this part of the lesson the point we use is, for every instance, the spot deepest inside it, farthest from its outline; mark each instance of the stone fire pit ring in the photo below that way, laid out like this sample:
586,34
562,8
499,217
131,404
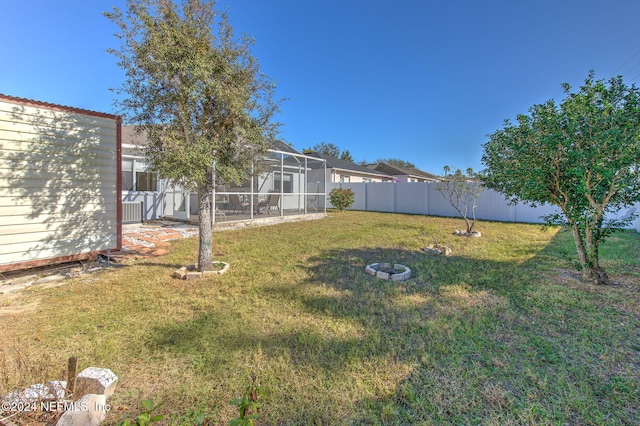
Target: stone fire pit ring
387,271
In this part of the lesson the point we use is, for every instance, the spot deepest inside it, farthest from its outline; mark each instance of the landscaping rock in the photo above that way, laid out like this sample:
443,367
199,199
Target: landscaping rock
181,273
382,275
191,272
472,234
58,388
438,249
38,392
402,276
94,380
90,410
372,269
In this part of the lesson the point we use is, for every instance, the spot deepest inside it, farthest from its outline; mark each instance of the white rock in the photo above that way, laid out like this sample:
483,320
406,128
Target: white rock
90,410
94,380
37,392
58,388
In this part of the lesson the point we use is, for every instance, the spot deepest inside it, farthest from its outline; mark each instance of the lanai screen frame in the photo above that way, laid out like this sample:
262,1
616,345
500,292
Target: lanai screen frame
308,187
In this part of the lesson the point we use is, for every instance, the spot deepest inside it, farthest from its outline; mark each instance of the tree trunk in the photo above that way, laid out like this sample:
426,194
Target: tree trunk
582,255
469,225
205,261
589,259
598,275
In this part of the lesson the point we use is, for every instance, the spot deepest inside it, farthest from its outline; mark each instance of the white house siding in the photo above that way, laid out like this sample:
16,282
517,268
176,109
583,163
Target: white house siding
59,183
154,203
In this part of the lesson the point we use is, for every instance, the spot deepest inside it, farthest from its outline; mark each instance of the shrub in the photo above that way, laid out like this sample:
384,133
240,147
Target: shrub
342,198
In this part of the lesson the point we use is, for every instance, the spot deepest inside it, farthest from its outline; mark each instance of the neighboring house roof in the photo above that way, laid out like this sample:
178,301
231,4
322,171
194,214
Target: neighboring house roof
338,164
399,171
282,146
131,137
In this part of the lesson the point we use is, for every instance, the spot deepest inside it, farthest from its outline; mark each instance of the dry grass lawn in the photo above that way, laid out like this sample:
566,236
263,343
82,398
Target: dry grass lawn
502,332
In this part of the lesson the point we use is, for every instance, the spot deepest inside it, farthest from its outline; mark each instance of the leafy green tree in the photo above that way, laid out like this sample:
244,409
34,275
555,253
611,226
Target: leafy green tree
461,190
582,155
397,162
197,93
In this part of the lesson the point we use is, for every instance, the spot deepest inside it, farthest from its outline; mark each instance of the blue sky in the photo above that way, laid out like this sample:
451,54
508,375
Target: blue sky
420,80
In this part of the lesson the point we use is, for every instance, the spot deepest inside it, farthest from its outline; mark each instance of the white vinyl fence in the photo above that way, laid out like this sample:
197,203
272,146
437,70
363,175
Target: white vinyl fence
424,198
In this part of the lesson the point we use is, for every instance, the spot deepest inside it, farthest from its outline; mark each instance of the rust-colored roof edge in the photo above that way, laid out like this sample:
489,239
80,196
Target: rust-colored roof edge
31,102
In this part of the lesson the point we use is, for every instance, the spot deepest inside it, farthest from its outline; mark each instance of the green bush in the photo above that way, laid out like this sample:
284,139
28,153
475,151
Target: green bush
342,198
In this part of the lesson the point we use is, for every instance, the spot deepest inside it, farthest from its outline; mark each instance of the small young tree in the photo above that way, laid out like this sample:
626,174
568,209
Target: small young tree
461,190
582,156
196,93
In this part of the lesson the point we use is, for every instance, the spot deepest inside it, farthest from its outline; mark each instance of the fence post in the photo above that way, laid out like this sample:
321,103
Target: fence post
426,197
366,196
395,197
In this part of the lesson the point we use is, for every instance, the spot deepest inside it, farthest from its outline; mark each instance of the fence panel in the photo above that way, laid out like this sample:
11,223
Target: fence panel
411,198
424,198
438,205
492,205
381,197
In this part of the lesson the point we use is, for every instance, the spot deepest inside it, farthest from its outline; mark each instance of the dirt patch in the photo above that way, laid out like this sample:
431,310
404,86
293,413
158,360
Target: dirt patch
11,306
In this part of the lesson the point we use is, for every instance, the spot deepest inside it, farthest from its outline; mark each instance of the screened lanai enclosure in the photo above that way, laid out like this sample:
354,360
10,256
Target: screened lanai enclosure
281,184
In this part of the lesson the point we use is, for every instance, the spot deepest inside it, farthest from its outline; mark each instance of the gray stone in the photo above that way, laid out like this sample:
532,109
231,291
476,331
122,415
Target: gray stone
181,273
58,388
193,275
37,392
438,249
382,275
400,277
472,234
94,380
90,410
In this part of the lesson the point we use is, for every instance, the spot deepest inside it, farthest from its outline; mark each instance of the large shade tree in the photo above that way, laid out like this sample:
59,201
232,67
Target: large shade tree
197,93
582,155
